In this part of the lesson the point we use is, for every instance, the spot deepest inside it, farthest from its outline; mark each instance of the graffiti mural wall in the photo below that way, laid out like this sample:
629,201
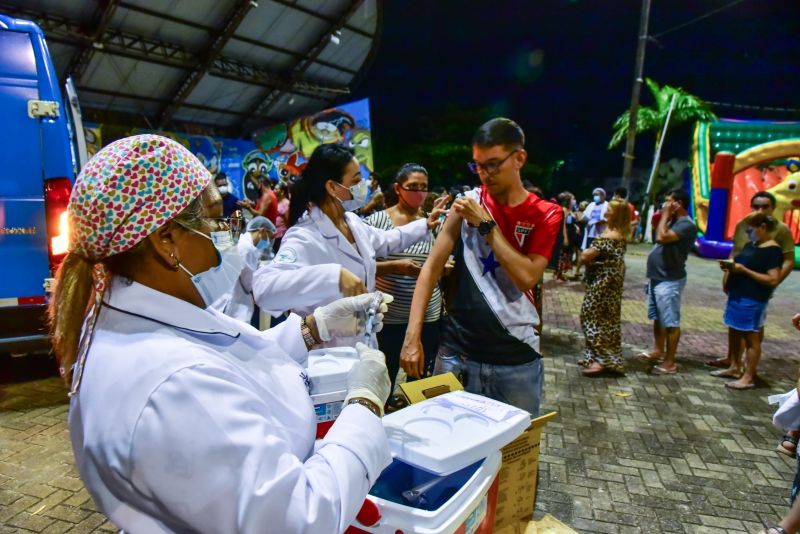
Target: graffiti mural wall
284,149
281,151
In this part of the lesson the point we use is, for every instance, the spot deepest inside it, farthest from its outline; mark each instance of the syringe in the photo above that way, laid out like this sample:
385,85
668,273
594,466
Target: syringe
371,313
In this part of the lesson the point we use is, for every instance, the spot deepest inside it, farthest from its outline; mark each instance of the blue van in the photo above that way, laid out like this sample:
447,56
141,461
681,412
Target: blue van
36,177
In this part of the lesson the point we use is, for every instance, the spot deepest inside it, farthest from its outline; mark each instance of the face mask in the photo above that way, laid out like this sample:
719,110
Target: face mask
752,235
415,199
359,192
264,244
596,199
223,189
217,282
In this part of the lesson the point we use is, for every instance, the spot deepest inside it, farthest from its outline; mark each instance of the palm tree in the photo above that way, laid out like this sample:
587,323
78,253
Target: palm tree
688,108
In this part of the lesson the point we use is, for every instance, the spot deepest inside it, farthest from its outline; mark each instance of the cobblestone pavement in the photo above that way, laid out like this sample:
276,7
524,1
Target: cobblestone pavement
681,453
635,454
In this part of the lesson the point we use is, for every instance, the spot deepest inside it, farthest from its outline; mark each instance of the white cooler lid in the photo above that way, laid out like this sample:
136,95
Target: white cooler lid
327,368
449,432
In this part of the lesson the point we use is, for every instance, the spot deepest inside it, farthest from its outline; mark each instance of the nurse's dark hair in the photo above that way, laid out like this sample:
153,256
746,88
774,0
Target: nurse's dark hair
327,162
74,290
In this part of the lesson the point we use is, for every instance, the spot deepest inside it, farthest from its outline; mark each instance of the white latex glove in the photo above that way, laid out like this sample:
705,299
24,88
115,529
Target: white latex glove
368,378
347,317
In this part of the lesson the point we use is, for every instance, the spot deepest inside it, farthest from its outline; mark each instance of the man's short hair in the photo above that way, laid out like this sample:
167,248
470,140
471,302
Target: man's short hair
680,195
221,176
499,132
765,194
621,192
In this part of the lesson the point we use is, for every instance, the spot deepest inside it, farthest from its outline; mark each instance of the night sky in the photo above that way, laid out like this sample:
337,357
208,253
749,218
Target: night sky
563,68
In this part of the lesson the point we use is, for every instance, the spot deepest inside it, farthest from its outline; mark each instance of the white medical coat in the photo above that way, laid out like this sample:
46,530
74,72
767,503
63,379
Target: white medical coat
305,272
241,303
188,420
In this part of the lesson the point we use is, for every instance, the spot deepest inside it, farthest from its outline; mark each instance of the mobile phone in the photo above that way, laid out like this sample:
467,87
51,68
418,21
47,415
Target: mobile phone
726,263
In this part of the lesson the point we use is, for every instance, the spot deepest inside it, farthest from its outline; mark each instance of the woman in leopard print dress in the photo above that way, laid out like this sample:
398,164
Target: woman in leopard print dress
602,304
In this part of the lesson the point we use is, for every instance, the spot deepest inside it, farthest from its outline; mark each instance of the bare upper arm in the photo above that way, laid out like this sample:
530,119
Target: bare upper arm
668,236
445,241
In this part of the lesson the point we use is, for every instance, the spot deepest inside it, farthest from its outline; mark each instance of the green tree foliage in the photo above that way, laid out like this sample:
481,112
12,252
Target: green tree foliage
688,108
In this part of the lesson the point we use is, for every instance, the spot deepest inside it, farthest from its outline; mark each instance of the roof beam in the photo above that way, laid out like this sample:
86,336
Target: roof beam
99,23
330,20
213,51
210,29
271,98
115,42
131,96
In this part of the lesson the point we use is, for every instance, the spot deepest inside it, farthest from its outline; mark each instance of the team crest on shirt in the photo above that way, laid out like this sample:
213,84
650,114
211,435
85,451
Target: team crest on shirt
522,230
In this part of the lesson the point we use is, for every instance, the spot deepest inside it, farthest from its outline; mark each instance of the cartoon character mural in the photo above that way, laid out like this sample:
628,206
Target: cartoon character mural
329,126
256,165
279,152
208,150
289,145
722,190
361,143
93,134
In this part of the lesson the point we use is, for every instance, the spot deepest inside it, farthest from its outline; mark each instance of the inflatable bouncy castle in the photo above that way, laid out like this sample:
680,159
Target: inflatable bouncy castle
731,161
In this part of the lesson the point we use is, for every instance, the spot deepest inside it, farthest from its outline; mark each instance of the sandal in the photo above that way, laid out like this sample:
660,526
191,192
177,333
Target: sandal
658,370
739,387
791,453
726,373
719,362
777,528
648,357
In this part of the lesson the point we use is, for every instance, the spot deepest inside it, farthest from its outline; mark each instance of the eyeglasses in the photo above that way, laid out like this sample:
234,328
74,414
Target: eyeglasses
415,188
233,225
760,207
490,167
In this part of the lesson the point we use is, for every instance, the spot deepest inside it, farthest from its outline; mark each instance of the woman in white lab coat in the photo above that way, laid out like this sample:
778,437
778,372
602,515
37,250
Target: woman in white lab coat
183,419
254,245
323,232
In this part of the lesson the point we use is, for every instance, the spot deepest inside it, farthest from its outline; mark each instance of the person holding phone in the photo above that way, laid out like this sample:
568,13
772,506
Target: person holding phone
397,272
751,276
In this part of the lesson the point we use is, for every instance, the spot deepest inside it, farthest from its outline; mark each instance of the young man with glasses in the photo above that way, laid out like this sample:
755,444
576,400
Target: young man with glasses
502,237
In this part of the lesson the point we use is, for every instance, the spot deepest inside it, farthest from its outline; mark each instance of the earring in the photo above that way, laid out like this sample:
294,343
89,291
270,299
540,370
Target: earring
177,261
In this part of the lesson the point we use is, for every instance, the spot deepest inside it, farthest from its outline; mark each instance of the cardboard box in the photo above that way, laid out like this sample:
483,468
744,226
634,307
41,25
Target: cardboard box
427,388
516,497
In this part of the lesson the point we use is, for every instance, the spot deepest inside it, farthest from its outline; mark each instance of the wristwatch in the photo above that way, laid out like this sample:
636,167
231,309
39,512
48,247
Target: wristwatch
486,226
366,404
305,331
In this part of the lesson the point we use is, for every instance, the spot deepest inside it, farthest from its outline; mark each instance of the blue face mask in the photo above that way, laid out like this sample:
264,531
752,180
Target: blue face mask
752,235
596,199
264,244
217,282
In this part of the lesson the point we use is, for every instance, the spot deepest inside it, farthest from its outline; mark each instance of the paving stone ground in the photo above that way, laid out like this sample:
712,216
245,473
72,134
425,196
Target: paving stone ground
681,453
639,453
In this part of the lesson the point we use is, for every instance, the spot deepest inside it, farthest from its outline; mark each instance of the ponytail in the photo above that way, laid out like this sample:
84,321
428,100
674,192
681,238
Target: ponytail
328,162
67,309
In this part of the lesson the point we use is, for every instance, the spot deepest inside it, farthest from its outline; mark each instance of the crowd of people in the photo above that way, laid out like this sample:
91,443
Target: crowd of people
152,314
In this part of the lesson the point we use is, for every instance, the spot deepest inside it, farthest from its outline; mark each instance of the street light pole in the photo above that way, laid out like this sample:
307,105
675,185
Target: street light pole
637,89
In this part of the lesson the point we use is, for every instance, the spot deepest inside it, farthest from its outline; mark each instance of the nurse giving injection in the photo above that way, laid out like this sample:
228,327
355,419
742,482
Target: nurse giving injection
183,419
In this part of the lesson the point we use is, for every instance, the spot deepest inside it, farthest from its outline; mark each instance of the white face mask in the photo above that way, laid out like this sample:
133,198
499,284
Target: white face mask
360,191
217,282
223,189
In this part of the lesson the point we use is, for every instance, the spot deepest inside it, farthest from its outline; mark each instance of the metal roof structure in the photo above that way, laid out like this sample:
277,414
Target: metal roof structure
233,65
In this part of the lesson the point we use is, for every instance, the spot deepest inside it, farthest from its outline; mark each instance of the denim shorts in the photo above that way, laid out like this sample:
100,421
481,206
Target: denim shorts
518,385
664,302
745,315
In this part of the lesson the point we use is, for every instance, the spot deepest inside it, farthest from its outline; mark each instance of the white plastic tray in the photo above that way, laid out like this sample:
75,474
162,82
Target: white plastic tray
327,368
451,431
